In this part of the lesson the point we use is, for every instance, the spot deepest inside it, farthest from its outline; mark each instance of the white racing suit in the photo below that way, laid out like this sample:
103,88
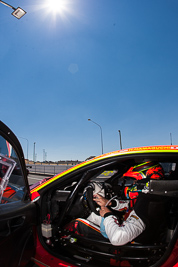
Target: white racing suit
108,226
118,234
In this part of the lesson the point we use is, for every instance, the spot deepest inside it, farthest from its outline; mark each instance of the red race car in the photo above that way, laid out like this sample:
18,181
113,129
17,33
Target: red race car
38,223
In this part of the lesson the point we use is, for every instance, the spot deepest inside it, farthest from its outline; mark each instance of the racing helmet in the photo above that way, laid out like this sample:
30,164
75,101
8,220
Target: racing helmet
146,170
150,170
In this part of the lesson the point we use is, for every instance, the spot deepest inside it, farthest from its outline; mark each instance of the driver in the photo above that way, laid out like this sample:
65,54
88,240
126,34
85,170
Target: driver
143,221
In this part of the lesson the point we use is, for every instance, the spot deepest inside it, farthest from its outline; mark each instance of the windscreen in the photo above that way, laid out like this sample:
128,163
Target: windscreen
11,177
7,165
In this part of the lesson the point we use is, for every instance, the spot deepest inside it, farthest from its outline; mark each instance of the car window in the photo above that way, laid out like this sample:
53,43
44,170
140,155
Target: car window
11,178
168,167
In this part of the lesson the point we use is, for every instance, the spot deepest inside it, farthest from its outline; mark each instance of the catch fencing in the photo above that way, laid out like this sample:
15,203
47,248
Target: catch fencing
47,169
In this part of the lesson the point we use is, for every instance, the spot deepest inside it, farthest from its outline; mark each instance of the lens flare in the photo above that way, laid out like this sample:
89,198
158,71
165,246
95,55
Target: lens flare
57,6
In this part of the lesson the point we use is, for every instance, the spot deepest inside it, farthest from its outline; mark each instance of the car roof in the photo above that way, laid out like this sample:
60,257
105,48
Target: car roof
119,153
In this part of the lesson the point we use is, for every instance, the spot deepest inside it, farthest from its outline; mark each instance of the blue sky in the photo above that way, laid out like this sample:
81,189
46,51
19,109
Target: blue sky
113,61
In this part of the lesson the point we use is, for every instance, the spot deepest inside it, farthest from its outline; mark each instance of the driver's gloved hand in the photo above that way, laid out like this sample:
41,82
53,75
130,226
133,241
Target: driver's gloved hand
98,189
101,201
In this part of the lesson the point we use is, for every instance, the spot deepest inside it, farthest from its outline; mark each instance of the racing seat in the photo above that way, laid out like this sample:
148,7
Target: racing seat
93,252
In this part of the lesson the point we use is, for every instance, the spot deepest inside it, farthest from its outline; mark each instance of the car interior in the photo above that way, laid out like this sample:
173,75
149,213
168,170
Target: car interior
72,198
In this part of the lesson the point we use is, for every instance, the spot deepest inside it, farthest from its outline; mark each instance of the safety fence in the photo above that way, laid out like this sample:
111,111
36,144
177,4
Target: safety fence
47,169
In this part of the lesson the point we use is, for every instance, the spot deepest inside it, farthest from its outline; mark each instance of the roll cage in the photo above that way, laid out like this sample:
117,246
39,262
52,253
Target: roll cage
89,252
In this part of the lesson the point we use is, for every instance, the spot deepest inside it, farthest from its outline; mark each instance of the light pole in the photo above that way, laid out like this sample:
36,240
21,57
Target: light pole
120,139
18,12
34,152
101,134
27,144
44,155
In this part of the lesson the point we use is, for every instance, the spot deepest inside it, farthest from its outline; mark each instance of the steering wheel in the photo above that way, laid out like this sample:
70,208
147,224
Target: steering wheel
91,203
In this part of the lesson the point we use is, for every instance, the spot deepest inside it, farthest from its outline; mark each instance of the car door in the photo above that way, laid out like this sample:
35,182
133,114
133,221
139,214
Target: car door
17,212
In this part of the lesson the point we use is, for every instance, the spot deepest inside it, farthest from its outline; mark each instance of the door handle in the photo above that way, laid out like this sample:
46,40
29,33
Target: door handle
17,222
12,225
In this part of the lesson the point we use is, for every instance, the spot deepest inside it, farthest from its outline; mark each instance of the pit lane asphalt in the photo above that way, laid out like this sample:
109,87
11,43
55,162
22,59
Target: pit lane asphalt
33,178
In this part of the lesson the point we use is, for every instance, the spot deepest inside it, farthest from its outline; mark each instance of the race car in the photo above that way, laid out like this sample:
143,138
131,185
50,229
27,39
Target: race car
33,219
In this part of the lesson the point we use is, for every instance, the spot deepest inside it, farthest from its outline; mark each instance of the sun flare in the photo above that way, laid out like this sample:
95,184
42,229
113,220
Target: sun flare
57,6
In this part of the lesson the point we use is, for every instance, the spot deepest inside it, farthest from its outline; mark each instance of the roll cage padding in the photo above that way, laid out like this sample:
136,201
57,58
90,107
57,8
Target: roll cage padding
164,187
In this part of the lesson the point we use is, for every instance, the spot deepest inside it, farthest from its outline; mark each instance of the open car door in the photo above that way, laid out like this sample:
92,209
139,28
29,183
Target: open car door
17,212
